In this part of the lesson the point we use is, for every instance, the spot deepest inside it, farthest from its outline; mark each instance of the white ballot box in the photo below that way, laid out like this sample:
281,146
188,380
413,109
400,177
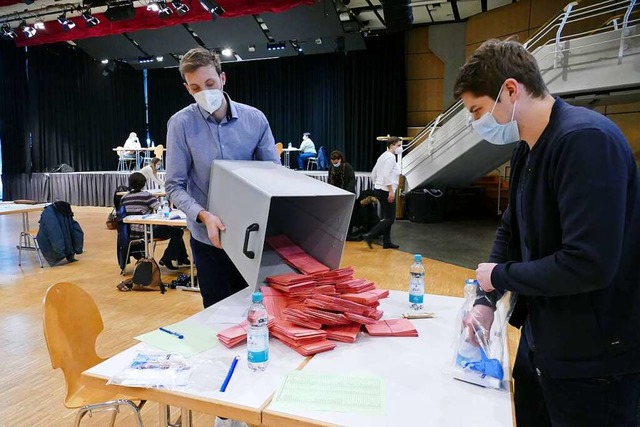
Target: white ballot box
256,200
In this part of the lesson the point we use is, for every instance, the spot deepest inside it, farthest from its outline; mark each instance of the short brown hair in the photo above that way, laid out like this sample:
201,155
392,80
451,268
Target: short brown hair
494,62
199,57
392,140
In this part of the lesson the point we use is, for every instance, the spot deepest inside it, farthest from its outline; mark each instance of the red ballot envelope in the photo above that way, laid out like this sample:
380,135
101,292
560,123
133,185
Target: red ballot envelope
344,333
392,328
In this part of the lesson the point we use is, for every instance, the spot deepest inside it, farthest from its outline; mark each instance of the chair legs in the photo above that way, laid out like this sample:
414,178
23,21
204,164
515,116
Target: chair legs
28,241
112,405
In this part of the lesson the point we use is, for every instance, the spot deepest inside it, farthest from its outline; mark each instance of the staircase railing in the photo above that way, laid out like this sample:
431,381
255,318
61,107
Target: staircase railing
552,32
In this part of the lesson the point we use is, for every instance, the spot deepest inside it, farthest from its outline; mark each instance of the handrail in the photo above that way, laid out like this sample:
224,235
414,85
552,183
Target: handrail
567,10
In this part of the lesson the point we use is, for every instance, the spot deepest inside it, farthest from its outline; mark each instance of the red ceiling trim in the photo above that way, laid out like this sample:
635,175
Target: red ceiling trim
147,20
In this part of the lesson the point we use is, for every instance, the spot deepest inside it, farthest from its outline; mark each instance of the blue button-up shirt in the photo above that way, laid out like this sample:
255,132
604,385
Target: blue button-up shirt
195,139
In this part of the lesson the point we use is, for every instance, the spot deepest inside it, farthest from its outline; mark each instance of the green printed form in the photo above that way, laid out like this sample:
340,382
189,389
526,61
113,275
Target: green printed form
196,339
331,393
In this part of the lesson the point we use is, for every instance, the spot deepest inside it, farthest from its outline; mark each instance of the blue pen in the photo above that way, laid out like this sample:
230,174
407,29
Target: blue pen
232,368
180,336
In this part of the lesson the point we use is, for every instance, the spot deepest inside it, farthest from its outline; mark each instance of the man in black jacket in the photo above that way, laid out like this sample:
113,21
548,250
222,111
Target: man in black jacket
568,245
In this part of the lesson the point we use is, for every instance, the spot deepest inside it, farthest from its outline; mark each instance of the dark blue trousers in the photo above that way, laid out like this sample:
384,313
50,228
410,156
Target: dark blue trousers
584,402
217,276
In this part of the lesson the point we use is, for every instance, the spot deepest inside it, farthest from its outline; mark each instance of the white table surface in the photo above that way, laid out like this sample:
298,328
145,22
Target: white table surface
419,390
248,390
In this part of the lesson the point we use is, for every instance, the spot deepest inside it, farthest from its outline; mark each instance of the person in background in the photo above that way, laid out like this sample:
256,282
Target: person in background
386,176
341,175
568,245
130,145
150,172
213,127
139,202
307,149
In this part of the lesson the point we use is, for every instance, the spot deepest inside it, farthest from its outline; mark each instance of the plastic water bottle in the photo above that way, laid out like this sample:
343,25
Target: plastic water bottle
470,286
416,284
165,209
258,334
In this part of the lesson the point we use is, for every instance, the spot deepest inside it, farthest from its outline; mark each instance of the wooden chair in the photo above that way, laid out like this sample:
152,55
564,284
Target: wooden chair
159,153
72,323
279,148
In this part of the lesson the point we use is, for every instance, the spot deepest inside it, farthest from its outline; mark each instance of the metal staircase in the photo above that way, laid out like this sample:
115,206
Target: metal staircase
601,65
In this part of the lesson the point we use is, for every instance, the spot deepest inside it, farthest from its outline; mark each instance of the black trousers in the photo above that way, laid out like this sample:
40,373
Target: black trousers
585,402
176,249
388,215
218,277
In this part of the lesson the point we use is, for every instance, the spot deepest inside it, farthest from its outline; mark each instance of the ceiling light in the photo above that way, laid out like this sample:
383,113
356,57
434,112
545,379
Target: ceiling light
145,59
165,10
180,7
227,51
276,46
252,48
67,24
105,61
212,7
8,33
159,58
91,20
39,25
27,30
153,7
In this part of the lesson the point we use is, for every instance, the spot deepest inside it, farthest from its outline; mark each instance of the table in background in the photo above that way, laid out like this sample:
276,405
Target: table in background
248,391
287,155
10,208
419,390
137,153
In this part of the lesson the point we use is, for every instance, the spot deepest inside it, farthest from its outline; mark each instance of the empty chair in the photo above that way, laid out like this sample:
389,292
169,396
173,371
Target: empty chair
72,323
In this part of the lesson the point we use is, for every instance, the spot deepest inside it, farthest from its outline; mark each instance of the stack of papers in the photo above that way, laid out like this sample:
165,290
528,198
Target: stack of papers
294,255
392,328
235,335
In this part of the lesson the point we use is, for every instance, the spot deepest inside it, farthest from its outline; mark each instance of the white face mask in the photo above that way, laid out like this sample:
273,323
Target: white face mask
209,100
398,150
337,164
492,131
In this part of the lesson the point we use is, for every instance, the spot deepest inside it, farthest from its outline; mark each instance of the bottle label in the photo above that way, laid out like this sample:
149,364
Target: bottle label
258,346
416,299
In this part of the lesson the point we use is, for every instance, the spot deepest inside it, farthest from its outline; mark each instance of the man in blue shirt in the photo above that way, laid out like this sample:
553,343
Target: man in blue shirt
568,245
214,127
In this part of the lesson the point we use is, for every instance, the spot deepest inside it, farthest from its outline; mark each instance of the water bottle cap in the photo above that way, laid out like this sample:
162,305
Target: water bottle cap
417,258
256,297
472,282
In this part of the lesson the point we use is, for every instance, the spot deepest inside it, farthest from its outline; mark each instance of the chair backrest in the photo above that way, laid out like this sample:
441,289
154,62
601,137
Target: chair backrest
159,151
279,148
72,323
119,151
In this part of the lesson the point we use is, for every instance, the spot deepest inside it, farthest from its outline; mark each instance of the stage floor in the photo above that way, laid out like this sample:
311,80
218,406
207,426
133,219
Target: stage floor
97,188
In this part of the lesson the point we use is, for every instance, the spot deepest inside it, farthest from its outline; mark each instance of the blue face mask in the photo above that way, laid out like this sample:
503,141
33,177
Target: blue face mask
492,131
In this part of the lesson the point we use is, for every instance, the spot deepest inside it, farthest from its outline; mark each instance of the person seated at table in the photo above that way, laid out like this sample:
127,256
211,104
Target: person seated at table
307,149
139,202
150,172
131,145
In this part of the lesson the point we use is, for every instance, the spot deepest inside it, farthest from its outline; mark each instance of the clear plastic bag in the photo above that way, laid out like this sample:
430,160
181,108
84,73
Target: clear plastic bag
480,355
153,369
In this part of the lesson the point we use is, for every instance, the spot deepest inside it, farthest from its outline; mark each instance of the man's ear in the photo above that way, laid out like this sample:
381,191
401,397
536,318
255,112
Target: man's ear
512,88
223,78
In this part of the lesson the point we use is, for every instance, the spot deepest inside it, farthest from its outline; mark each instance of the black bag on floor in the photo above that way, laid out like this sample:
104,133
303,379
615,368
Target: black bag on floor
425,205
147,277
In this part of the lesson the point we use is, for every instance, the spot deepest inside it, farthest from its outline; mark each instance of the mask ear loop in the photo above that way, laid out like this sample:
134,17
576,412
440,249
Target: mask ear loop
497,98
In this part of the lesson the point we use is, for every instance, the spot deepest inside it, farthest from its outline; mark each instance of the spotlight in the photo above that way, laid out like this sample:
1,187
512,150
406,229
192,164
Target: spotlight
105,61
252,48
226,52
180,7
8,33
159,58
27,30
91,20
212,7
67,24
161,7
153,7
39,25
145,59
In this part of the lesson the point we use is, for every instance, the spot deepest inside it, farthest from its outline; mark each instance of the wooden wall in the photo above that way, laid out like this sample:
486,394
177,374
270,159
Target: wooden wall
425,71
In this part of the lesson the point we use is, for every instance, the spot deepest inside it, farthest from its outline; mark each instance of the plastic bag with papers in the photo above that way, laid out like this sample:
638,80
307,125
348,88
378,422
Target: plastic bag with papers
480,355
154,370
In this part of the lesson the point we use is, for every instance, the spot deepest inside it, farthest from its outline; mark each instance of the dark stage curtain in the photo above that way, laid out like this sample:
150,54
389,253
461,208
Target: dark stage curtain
344,101
13,87
76,114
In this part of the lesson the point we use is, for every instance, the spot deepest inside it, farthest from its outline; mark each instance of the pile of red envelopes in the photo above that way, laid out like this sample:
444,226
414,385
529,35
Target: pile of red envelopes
318,306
